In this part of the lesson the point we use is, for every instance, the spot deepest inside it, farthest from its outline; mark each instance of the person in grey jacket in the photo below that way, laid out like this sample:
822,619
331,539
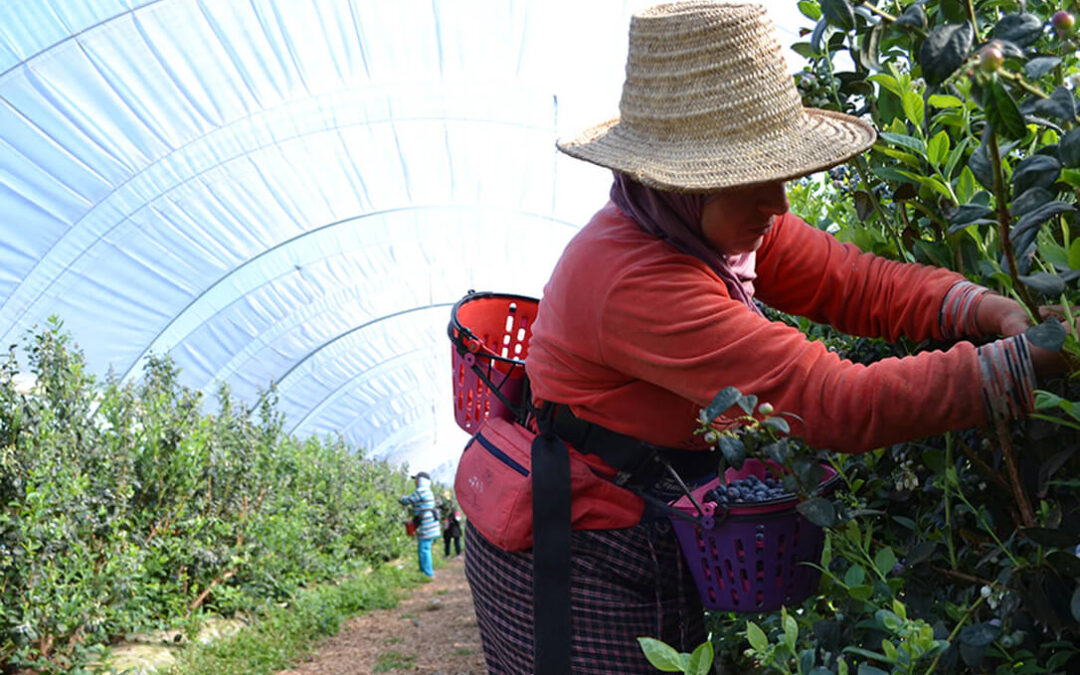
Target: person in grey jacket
426,518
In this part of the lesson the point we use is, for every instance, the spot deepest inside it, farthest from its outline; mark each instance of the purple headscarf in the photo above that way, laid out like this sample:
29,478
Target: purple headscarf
676,218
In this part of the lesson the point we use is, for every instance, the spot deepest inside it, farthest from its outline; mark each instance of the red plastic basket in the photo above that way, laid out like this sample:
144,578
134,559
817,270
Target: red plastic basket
751,558
490,336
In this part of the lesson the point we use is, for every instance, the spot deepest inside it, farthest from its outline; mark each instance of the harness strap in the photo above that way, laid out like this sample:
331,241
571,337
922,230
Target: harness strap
638,465
551,549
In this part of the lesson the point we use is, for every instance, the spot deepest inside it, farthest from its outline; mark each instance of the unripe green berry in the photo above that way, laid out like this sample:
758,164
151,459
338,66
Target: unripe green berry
765,409
990,59
711,437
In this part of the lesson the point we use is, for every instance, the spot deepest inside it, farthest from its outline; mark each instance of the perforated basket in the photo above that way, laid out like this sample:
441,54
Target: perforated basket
490,336
751,558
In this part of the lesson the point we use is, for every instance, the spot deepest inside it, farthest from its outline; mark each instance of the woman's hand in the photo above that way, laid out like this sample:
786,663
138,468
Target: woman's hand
997,315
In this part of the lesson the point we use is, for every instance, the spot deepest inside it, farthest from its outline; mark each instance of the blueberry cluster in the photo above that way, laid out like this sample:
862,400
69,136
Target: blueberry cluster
749,490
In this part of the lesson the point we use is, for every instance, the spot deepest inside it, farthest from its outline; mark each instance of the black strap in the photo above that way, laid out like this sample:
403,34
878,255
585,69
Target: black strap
637,462
551,549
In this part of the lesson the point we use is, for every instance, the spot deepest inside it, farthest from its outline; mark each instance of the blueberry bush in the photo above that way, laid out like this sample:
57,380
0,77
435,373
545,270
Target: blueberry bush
125,507
958,553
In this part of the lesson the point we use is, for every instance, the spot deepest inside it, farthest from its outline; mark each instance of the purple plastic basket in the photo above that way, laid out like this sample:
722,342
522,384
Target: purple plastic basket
751,559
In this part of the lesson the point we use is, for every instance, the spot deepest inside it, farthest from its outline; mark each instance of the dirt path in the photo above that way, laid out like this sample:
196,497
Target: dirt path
432,631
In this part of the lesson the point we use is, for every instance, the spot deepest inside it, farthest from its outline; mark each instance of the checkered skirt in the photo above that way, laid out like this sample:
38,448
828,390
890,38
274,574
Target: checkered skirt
625,584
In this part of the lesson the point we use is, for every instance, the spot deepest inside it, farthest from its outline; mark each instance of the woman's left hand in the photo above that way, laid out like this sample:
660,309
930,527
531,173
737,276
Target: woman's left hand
998,315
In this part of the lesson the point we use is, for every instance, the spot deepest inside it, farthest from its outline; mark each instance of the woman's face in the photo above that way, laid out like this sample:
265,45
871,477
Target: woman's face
736,220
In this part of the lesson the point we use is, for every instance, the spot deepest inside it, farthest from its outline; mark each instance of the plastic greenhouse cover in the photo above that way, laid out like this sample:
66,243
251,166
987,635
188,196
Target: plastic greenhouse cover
296,191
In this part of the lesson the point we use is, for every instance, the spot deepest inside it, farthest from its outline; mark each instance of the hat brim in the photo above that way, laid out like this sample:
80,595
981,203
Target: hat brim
820,139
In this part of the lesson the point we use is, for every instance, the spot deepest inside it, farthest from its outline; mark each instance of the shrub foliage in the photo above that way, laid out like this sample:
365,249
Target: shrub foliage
957,553
123,506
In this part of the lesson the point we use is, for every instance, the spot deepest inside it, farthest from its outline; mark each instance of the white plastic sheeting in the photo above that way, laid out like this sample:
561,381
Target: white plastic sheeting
295,191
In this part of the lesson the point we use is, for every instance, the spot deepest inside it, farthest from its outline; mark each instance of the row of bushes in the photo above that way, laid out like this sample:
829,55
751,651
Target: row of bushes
125,506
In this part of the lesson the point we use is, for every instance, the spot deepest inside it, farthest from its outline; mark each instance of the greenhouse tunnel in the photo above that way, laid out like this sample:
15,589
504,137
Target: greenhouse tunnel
296,191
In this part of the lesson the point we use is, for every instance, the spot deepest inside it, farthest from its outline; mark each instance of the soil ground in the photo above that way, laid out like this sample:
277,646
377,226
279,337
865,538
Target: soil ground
432,631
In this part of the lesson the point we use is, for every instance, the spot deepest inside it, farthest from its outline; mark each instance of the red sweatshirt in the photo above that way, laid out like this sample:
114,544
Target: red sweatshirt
639,337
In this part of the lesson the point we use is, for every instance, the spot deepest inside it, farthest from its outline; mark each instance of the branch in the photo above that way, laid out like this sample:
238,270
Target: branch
205,594
1004,220
970,578
1027,515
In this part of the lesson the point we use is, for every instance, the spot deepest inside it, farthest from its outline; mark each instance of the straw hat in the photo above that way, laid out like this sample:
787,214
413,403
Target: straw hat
708,103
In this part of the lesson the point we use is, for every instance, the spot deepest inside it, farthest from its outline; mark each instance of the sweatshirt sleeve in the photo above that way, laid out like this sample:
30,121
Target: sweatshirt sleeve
806,272
673,324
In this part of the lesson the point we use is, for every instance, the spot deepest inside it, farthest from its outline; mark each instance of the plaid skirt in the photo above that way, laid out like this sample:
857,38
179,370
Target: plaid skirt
625,584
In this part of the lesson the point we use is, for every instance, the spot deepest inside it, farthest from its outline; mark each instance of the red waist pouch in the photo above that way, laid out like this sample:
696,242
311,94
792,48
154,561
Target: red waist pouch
494,488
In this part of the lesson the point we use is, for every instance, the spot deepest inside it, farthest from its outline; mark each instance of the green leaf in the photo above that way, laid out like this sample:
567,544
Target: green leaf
1065,563
733,449
1044,282
884,561
756,637
1074,254
913,17
1074,605
888,82
905,521
967,214
1040,65
778,423
1035,171
933,183
1040,215
945,101
967,186
818,510
804,49
747,403
869,47
777,451
661,655
1030,200
954,157
791,630
1001,111
979,163
903,140
838,13
1021,29
862,593
820,36
701,660
723,400
1069,149
938,148
1071,176
890,651
979,635
944,51
855,575
1049,334
1060,105
810,10
905,157
913,107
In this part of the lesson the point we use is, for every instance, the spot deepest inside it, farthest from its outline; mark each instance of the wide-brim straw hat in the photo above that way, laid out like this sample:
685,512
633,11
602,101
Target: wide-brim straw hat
708,104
